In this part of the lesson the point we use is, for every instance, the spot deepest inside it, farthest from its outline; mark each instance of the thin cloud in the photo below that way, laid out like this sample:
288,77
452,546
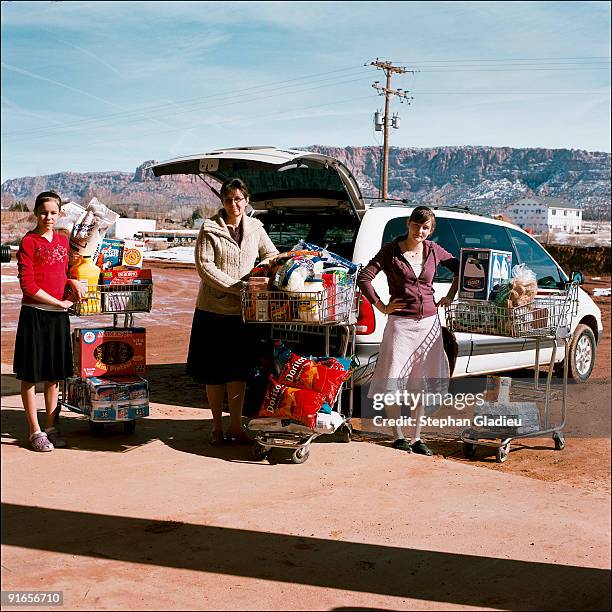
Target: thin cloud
90,54
74,89
57,83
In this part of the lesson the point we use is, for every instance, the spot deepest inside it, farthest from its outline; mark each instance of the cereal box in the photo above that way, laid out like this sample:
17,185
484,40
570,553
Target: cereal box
133,252
111,254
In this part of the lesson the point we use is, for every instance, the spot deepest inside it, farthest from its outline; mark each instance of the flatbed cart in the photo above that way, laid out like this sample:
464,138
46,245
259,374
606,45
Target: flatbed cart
292,315
548,318
122,301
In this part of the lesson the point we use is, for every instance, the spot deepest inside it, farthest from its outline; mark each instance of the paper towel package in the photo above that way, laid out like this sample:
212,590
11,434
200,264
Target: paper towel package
501,417
110,399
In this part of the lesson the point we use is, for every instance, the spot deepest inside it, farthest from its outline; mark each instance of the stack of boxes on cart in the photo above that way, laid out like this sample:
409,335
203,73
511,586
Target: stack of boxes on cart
108,361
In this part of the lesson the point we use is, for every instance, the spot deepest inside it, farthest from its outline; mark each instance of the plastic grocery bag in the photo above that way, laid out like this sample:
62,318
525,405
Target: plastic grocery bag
70,213
520,290
91,227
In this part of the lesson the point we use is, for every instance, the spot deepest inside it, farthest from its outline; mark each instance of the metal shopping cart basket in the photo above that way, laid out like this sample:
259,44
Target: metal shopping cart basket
547,318
294,314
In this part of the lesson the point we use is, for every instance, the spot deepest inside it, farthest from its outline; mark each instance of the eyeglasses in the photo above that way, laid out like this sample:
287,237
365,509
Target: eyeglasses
232,200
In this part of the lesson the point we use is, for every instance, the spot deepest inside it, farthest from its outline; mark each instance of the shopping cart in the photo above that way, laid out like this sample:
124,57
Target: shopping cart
547,319
292,316
122,301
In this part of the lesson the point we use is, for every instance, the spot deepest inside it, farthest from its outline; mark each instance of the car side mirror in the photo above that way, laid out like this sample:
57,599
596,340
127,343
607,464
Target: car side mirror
577,277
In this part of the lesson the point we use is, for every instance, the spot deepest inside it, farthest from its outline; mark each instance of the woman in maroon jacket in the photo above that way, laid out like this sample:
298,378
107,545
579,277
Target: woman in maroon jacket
411,356
42,346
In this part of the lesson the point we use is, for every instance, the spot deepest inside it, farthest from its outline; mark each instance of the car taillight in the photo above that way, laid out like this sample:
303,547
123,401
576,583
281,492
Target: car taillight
366,321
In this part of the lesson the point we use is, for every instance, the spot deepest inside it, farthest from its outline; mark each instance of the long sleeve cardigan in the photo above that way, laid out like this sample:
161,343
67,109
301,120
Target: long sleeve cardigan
223,264
403,283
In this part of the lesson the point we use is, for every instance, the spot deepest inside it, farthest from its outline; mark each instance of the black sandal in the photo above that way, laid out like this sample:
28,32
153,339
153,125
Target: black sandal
239,438
217,438
420,448
402,444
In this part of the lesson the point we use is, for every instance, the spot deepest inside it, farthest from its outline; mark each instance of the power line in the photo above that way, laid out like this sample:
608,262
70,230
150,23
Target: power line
192,104
225,122
233,100
190,101
389,69
508,59
526,69
523,93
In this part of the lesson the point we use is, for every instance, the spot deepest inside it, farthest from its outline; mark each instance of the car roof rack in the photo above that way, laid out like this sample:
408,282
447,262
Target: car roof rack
404,202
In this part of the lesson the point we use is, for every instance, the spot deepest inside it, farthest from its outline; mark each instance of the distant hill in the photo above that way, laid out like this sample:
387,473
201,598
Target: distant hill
483,178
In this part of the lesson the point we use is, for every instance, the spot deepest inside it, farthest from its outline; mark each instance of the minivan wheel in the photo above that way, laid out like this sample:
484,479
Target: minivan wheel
582,353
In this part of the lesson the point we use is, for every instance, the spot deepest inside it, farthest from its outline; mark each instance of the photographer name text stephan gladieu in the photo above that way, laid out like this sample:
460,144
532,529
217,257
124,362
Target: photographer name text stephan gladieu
449,421
458,401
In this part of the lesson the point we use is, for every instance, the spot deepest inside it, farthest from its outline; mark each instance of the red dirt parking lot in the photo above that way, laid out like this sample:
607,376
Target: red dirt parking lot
585,461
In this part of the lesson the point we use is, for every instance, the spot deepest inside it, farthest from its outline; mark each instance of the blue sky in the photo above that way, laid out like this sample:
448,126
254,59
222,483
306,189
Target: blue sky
96,86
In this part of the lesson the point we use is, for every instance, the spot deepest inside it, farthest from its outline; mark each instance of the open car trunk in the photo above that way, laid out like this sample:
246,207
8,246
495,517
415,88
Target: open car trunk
278,179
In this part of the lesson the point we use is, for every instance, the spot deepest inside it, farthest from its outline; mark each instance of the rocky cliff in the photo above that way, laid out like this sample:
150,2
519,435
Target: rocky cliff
483,178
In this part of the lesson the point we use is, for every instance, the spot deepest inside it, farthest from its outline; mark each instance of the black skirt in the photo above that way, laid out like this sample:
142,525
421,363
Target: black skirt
43,350
222,348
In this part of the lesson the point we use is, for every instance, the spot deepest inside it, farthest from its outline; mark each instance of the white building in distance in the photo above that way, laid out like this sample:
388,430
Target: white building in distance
545,214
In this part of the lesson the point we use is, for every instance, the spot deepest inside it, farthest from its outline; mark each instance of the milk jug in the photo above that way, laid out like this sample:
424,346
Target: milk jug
88,274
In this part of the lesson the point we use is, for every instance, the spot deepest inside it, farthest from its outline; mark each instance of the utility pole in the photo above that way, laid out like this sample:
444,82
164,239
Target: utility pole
386,91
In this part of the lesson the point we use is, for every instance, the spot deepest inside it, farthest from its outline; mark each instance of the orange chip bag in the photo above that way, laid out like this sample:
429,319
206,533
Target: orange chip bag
283,402
304,373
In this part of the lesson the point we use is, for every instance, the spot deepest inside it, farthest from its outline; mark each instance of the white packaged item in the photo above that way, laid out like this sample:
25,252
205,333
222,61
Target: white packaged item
505,417
90,228
328,422
69,215
309,302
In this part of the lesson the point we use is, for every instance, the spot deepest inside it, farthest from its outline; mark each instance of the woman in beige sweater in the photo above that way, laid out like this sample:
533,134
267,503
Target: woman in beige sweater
221,346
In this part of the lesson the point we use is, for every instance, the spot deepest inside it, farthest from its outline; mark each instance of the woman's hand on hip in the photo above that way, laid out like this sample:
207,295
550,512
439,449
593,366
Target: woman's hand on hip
392,306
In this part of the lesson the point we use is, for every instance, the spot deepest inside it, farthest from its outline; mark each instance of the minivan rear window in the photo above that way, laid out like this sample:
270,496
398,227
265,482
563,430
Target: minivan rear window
443,235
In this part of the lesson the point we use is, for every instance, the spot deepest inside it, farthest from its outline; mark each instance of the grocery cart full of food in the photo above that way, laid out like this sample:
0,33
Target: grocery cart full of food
500,300
309,291
109,361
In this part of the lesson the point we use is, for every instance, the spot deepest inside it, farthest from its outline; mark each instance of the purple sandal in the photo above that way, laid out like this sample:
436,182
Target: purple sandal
40,443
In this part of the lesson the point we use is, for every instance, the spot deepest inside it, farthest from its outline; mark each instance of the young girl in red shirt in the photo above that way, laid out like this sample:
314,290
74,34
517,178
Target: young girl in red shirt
43,351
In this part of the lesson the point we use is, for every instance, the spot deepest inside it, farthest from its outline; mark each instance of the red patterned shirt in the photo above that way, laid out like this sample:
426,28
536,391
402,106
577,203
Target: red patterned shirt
42,265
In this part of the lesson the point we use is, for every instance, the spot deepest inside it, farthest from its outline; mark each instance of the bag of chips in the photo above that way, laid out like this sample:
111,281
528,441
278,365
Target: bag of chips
285,402
304,373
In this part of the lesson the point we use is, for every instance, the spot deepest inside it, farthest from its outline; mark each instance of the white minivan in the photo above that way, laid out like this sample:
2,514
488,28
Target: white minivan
302,195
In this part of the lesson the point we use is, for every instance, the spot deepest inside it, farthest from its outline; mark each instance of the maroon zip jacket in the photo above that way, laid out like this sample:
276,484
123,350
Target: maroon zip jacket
403,284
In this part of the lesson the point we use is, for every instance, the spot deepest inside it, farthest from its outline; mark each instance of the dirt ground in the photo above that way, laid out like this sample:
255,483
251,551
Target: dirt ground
162,520
584,463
